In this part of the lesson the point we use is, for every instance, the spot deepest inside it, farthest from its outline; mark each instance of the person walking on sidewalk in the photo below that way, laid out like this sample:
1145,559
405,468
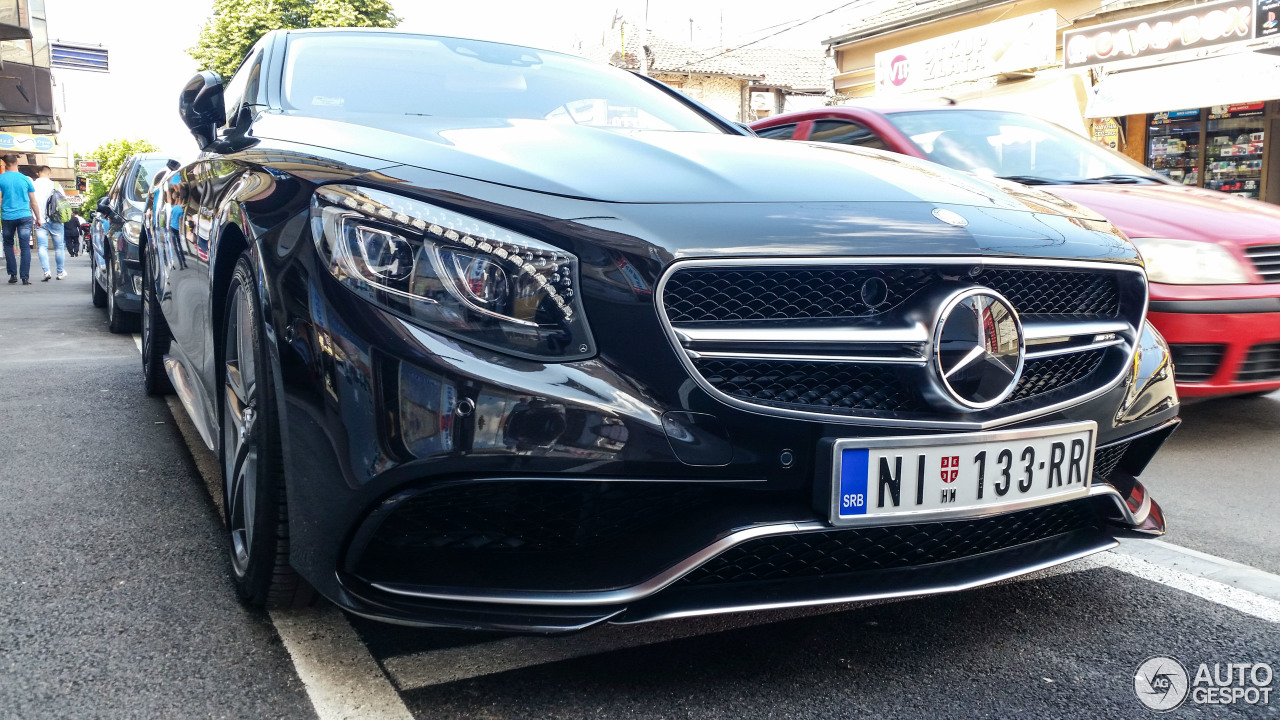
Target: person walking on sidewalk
47,227
18,215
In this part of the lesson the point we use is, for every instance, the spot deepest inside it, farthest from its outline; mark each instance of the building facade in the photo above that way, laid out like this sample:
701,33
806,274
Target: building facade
28,119
742,84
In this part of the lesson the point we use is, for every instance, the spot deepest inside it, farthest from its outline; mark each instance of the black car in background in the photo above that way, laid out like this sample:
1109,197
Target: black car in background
115,281
501,338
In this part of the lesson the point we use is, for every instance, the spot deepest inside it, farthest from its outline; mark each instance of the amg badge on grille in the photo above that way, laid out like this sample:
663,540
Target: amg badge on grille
978,351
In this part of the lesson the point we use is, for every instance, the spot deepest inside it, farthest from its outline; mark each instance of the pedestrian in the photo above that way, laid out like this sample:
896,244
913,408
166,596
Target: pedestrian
49,227
71,231
18,215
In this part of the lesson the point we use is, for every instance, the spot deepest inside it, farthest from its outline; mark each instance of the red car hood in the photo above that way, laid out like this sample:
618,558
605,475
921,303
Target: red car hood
1179,212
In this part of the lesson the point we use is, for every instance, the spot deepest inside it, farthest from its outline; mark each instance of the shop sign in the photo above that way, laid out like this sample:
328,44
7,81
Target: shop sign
1164,118
1107,132
1020,43
22,142
1268,23
1218,112
87,166
1204,25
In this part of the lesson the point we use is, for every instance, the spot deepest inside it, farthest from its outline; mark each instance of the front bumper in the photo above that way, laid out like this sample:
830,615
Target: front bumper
561,498
1224,344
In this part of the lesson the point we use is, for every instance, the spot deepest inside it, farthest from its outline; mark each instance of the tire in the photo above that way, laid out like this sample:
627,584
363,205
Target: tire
118,321
155,338
98,294
252,469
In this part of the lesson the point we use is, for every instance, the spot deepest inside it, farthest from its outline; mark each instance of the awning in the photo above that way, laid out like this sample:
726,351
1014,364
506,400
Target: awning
1223,80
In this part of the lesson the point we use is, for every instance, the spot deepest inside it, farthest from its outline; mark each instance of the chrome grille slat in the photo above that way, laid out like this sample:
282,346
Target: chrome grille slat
858,363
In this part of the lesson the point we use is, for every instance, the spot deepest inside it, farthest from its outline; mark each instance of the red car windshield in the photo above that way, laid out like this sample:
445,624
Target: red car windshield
1015,146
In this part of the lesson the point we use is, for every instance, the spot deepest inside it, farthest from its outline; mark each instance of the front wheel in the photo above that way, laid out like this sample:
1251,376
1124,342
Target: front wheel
253,481
155,337
97,293
118,321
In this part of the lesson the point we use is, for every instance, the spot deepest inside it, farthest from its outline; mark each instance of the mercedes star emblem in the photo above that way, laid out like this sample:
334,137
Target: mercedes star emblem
978,350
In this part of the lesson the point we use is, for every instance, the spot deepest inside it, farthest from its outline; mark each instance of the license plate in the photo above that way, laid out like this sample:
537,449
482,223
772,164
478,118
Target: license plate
904,479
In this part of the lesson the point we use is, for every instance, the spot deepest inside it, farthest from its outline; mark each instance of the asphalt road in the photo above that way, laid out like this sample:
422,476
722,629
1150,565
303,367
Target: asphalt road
115,599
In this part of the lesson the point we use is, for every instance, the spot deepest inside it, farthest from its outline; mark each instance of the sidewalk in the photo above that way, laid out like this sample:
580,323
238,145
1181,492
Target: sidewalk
112,561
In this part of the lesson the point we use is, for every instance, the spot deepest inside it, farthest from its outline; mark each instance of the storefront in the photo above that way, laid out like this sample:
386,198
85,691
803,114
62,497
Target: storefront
1191,91
1194,88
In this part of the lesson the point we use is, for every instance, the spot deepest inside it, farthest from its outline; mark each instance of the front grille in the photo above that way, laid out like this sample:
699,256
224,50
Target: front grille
1266,259
836,552
1195,362
536,516
1058,372
1054,292
833,387
541,535
844,387
785,293
835,291
1105,460
1262,363
854,341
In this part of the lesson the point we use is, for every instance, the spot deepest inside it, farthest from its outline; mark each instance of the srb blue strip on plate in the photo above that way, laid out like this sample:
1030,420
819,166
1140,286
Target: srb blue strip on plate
853,482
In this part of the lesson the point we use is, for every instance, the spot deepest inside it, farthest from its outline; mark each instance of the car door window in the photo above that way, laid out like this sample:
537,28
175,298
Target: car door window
845,133
778,132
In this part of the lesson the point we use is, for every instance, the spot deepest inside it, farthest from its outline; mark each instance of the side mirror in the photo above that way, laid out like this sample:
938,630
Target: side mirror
173,164
201,107
104,205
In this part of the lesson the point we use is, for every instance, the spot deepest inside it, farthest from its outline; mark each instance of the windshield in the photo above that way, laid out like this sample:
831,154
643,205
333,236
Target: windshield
355,77
1015,146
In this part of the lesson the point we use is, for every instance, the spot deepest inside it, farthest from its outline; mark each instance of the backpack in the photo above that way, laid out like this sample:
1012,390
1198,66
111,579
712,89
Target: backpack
58,208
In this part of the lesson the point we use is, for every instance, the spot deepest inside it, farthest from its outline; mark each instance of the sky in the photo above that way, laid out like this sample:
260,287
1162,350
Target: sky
147,42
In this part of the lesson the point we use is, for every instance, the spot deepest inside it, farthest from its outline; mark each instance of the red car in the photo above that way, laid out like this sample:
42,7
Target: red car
1213,260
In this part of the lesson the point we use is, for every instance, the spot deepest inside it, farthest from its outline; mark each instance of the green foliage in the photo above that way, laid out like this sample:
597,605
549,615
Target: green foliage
236,25
110,156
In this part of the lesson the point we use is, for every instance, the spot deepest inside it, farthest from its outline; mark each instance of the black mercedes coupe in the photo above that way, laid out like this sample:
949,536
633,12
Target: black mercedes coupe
494,337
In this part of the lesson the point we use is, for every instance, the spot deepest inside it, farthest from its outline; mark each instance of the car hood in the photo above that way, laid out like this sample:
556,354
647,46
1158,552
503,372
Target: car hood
634,166
1176,211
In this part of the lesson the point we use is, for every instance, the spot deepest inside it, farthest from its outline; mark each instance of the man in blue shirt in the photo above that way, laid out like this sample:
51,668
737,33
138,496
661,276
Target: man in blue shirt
18,215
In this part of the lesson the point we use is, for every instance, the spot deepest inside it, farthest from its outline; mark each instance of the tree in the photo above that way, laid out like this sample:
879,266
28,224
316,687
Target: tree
236,25
110,156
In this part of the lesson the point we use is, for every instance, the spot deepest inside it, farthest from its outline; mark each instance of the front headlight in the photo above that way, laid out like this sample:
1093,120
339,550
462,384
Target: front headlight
452,273
1187,262
132,231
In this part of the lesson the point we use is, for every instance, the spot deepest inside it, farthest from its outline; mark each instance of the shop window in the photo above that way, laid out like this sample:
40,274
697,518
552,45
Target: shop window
1233,153
1173,145
845,133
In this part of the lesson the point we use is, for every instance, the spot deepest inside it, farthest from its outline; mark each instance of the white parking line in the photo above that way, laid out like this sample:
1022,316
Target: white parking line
1175,571
342,679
